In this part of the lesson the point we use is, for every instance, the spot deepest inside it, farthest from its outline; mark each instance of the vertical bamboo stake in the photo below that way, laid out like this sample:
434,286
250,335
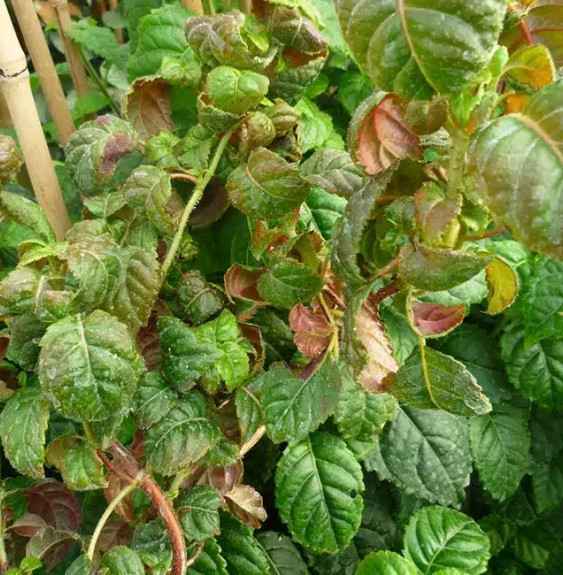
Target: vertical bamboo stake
194,5
245,6
44,66
5,120
114,5
72,51
16,89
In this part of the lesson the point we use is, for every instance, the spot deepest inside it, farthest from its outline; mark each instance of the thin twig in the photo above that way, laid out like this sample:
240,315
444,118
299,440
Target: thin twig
193,559
258,434
489,234
188,177
385,292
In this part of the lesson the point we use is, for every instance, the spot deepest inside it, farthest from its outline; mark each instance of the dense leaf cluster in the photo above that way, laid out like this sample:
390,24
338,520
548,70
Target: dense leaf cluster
309,318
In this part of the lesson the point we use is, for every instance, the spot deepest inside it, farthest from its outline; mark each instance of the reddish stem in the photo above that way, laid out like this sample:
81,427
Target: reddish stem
488,234
126,467
385,292
526,32
187,177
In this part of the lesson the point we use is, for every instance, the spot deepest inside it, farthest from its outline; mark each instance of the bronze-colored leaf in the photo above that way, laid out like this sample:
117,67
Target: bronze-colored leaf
379,360
113,534
125,506
253,333
379,135
433,319
56,504
28,525
312,331
245,503
148,106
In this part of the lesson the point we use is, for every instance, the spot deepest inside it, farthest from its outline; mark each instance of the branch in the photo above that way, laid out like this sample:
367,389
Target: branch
489,234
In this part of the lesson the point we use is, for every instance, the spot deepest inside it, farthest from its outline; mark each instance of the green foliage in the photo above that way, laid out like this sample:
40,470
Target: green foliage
308,317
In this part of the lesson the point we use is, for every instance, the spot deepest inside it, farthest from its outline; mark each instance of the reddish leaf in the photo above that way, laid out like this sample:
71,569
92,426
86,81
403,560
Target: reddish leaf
242,283
312,331
223,478
380,361
379,135
148,106
211,207
55,504
28,525
433,319
113,534
149,344
253,334
246,503
51,545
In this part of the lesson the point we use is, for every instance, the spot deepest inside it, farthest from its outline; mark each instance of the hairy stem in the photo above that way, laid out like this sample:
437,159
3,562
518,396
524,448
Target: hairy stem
107,513
96,78
193,202
457,159
487,234
126,467
4,565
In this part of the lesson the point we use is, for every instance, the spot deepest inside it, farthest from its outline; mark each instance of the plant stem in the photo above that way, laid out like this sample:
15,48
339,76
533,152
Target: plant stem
457,159
193,202
4,565
109,510
487,234
100,83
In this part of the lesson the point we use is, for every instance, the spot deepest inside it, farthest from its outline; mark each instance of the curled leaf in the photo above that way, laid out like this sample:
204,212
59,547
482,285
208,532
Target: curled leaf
503,285
378,135
148,106
245,503
434,320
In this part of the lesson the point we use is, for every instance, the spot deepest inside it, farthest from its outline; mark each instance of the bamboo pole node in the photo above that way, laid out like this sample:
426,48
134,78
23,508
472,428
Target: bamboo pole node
72,51
44,66
16,90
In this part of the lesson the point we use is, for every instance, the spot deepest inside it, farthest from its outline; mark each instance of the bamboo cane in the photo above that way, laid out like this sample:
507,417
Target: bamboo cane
72,51
5,120
114,5
16,89
245,6
194,5
44,66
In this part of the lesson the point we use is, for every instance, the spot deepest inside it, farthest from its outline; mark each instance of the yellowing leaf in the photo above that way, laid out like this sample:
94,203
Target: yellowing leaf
503,286
246,503
532,66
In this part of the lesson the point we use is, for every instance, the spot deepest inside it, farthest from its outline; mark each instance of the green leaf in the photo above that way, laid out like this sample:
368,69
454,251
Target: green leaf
500,443
235,91
24,212
291,83
148,190
543,308
480,354
198,510
546,429
318,485
321,211
385,563
288,282
547,482
517,164
80,566
184,71
185,435
186,356
249,407
283,556
439,538
361,415
537,370
347,237
401,336
243,554
198,300
159,149
23,424
267,186
430,379
99,40
533,544
11,159
82,469
442,47
353,89
314,126
426,453
93,150
122,561
472,291
293,407
25,334
214,120
197,146
334,172
19,291
154,399
89,366
160,34
152,542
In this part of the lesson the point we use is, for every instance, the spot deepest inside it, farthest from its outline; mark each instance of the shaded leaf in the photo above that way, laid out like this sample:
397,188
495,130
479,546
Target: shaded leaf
385,563
246,504
154,399
198,510
56,504
24,212
147,106
122,561
198,301
500,443
312,331
282,553
433,319
531,66
547,482
82,469
321,211
23,424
